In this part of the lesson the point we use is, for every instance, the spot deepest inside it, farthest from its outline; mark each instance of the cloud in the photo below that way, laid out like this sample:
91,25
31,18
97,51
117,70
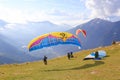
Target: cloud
15,15
62,16
10,26
11,15
24,47
118,13
56,12
1,29
103,8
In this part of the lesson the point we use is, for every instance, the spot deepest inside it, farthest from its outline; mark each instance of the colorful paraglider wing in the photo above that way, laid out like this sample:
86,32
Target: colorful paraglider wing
52,39
101,54
81,31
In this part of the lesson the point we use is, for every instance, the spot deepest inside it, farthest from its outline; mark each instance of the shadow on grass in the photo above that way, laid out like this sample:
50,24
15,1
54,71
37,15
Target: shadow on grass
97,63
107,56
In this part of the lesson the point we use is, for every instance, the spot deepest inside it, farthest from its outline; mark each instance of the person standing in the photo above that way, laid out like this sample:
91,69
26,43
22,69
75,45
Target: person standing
71,55
68,55
96,55
45,60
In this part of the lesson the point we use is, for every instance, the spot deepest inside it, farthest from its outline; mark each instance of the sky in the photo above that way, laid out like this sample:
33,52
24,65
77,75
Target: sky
71,12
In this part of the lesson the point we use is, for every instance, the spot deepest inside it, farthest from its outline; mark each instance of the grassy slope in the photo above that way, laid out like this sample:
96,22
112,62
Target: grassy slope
64,69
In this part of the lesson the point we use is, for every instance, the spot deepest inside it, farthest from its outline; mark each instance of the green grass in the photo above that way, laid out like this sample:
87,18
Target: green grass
64,69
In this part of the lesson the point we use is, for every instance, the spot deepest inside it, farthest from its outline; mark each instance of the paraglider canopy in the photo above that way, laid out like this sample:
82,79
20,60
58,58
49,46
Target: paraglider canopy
78,31
52,39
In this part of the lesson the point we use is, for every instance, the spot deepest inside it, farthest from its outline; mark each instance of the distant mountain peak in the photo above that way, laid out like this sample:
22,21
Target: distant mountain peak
99,20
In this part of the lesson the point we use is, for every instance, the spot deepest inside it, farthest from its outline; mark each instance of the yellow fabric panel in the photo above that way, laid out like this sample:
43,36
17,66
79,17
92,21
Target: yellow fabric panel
63,35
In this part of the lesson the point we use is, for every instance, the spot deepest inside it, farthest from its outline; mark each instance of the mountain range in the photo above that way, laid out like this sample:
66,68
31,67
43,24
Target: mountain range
15,37
99,33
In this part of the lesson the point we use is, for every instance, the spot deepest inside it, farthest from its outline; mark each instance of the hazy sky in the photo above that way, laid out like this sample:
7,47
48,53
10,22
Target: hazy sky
70,12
